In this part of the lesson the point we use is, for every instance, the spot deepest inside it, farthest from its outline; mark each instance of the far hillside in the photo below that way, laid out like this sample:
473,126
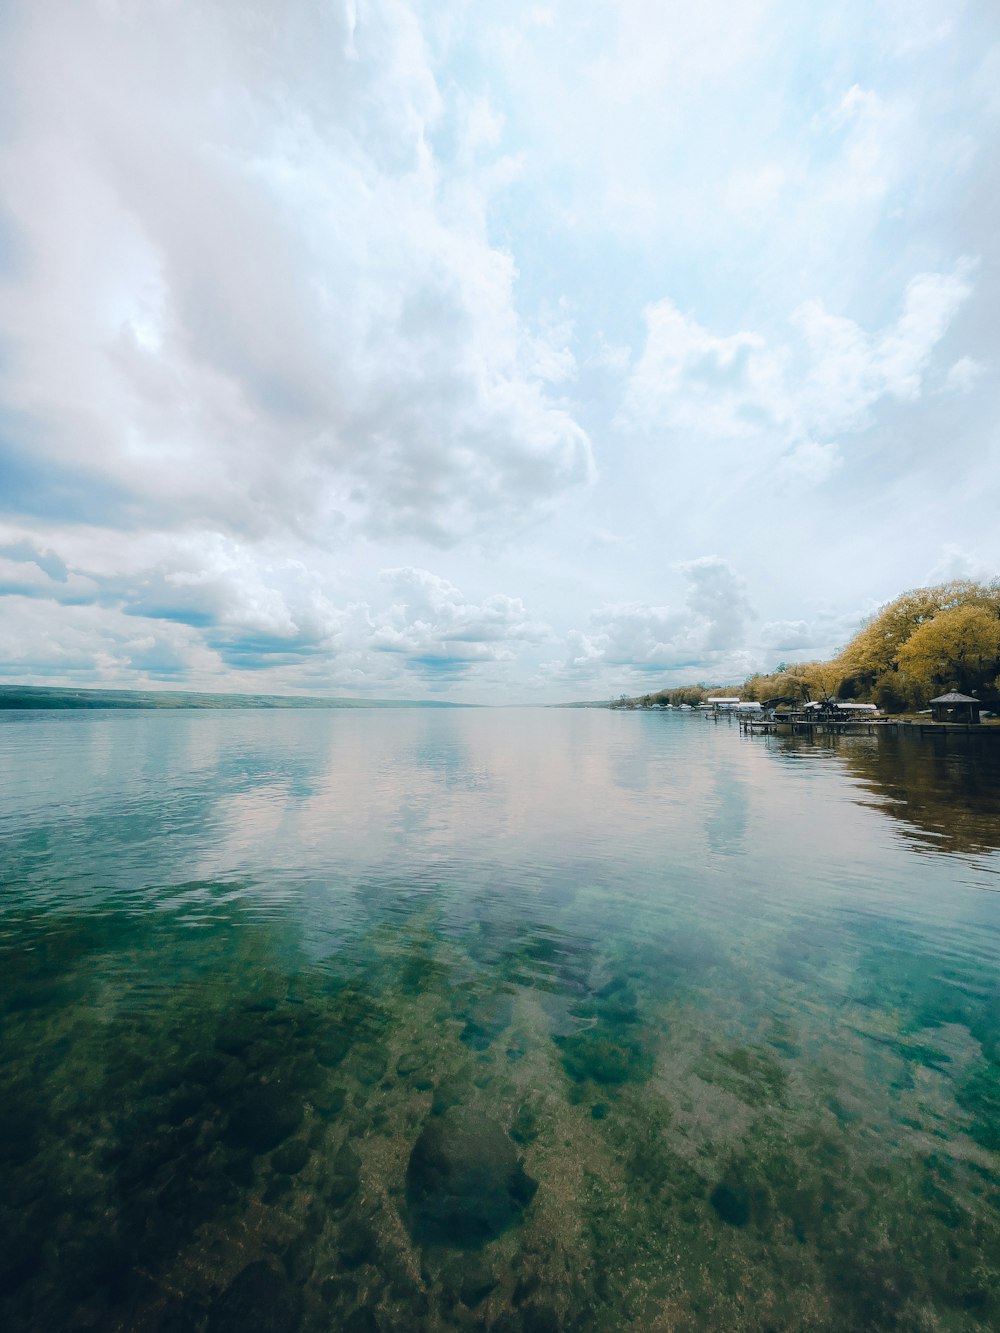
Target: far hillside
63,697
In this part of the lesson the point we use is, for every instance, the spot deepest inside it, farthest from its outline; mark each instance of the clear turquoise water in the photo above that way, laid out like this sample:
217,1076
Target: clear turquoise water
526,1020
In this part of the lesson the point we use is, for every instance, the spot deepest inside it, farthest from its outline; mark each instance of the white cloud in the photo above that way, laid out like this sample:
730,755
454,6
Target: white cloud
717,596
920,24
808,465
693,380
612,356
221,606
902,354
286,305
433,625
88,644
786,634
964,375
824,378
954,562
819,637
248,304
636,642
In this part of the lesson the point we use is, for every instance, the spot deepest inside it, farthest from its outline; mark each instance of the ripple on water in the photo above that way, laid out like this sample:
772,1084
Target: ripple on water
648,1078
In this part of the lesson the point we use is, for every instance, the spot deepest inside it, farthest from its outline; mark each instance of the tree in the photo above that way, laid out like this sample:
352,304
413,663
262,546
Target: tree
873,653
916,646
798,680
958,649
824,679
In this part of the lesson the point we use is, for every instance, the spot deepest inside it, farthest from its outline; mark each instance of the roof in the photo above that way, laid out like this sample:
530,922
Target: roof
953,697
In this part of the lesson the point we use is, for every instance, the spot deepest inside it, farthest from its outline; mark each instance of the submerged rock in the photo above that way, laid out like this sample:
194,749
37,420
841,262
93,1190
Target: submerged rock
476,1284
371,1064
18,1137
465,1184
362,1320
485,1018
291,1157
358,1245
260,1298
597,1055
328,1101
525,1128
731,1204
467,1278
264,1118
236,1036
346,1176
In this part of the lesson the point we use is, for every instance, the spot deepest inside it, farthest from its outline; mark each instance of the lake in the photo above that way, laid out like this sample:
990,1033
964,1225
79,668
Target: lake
524,1020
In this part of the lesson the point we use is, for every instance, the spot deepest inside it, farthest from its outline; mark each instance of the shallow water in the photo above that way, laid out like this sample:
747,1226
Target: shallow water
495,1019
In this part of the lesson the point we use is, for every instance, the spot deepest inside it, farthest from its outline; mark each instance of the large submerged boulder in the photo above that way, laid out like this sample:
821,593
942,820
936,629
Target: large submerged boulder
465,1183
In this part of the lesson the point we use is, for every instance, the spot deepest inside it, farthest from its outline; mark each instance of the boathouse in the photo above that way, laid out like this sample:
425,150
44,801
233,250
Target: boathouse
955,707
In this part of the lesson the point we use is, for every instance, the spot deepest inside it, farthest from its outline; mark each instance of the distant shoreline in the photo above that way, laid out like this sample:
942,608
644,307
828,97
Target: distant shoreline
20,697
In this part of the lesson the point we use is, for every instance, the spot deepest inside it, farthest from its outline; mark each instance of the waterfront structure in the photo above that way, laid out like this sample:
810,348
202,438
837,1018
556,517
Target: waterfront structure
955,707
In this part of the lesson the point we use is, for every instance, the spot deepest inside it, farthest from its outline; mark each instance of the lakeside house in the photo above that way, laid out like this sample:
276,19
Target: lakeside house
955,707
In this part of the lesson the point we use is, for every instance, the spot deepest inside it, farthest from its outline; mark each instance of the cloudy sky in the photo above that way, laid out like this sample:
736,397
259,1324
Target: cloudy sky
499,352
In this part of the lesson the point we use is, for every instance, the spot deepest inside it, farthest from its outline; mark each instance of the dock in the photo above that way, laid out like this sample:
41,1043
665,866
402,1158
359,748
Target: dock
805,725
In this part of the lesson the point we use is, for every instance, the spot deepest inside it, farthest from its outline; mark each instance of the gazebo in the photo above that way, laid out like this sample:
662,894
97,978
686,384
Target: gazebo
955,707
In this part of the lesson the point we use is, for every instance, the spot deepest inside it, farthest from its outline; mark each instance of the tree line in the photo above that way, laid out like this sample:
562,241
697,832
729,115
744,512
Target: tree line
924,643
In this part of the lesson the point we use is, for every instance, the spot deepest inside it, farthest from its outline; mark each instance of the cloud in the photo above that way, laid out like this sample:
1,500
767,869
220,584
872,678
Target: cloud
247,304
954,562
964,375
438,633
90,644
251,607
636,641
25,550
219,605
847,371
717,597
34,570
791,397
690,379
743,146
611,356
283,305
786,635
819,637
808,465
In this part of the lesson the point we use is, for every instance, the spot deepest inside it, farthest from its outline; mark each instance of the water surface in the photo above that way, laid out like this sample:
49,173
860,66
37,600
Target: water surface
513,1020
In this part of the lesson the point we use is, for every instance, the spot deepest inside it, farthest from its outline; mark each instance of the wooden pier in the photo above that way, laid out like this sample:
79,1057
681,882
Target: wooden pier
803,725
817,726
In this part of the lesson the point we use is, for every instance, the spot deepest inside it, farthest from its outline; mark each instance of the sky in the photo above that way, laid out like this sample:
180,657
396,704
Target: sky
500,353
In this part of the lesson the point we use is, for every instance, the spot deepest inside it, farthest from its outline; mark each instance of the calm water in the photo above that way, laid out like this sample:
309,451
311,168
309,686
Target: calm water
527,1021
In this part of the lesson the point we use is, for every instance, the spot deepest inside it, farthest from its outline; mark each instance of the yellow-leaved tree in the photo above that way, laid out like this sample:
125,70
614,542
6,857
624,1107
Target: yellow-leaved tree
872,665
921,644
958,650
